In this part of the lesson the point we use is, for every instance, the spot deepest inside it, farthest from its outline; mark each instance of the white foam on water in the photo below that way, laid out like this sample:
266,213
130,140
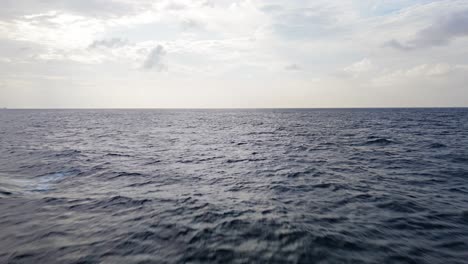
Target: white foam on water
46,182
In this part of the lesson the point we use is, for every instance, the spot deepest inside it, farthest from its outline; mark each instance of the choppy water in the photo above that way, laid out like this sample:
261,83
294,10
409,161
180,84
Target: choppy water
241,186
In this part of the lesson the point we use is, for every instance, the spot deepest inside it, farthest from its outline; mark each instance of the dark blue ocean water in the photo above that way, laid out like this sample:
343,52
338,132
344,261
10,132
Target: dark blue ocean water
234,186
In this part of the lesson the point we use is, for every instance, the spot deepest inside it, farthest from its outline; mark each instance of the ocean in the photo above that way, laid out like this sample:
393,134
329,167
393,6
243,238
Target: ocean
234,186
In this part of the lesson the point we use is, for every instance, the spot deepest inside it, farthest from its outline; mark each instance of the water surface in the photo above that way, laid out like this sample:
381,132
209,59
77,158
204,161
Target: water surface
234,186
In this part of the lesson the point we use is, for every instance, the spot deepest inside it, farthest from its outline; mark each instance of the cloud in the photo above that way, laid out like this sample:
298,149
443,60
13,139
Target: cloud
191,23
441,71
304,23
293,67
440,33
208,3
109,43
430,70
92,8
175,6
359,67
155,59
271,8
397,45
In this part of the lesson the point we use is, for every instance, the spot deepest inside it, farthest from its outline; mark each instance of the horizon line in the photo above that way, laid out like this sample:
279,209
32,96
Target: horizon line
229,108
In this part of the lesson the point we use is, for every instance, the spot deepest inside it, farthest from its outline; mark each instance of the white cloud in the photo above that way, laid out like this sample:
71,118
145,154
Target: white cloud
12,9
360,67
430,70
419,74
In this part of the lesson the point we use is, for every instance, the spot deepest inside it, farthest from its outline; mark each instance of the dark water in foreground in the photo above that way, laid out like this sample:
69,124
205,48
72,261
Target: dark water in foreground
241,186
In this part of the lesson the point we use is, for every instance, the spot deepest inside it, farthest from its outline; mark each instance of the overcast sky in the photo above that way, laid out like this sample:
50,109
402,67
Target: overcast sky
245,53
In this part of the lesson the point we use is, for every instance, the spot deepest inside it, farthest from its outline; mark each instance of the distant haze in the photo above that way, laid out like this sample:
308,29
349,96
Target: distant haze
223,54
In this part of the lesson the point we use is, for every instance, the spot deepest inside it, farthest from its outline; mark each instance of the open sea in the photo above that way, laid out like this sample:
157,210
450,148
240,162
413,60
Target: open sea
234,186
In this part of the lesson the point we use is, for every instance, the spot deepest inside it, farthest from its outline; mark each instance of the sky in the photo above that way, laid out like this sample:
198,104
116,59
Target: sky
233,54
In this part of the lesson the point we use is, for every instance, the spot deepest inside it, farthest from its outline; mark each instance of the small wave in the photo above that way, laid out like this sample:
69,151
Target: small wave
331,185
124,174
68,153
464,216
455,245
297,174
463,159
112,203
415,223
117,155
437,145
401,206
54,200
141,184
207,217
242,160
152,162
378,142
261,133
123,200
338,242
6,193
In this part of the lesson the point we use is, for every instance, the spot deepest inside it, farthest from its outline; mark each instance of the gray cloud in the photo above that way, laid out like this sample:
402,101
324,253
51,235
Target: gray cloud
397,45
271,8
109,43
208,3
18,50
176,6
190,23
155,59
293,67
440,33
